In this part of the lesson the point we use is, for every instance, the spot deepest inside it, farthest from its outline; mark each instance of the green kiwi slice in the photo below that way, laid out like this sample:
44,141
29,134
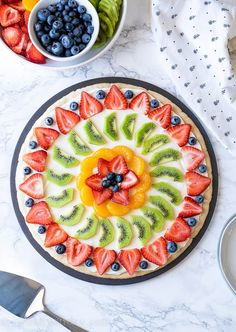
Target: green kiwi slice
156,218
173,194
165,207
128,124
164,156
154,143
143,133
63,158
58,179
110,126
126,233
78,145
89,230
60,200
74,216
108,232
93,135
166,171
144,229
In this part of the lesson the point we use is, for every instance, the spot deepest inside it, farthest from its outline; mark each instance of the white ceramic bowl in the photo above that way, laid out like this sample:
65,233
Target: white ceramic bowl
33,18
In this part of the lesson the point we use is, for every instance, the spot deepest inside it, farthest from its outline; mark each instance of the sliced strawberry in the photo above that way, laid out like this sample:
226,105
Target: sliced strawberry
89,106
161,115
10,1
121,197
129,181
18,6
190,208
36,160
179,231
140,103
101,196
21,47
46,136
54,235
156,252
24,29
94,182
180,133
115,100
66,120
26,17
103,167
12,36
77,252
103,258
9,16
118,165
192,157
130,259
39,214
33,186
196,183
33,55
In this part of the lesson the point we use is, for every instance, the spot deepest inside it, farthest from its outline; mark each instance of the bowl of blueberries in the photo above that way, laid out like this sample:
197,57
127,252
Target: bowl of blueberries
63,30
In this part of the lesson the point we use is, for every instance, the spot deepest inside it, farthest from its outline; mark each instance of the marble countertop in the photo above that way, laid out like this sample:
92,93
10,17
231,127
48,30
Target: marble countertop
191,297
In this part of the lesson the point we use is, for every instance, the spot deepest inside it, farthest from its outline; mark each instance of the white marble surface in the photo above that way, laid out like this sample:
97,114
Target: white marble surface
191,297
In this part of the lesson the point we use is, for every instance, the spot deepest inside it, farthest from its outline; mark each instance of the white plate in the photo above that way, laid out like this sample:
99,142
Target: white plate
227,253
88,57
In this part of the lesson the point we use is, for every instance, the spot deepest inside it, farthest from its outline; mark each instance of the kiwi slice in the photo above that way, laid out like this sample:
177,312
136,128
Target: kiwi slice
173,193
154,143
78,145
126,233
165,156
165,207
58,179
93,135
63,158
144,229
73,217
109,9
110,127
143,132
108,232
89,230
95,3
127,126
60,200
101,40
156,218
172,172
106,24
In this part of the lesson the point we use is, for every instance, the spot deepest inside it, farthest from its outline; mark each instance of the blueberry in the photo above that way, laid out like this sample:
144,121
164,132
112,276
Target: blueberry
74,106
77,40
115,188
60,249
100,94
61,36
52,8
69,26
43,14
115,266
81,47
154,103
67,42
87,17
38,27
39,34
175,120
78,31
58,14
90,29
29,202
49,48
67,8
129,94
81,9
27,170
105,183
45,39
64,2
33,145
68,53
67,19
72,14
51,19
143,265
119,178
192,140
89,262
41,229
171,247
57,48
47,28
54,34
65,12
191,222
74,50
202,168
48,121
72,3
76,21
199,199
87,23
111,176
57,25
86,38
60,7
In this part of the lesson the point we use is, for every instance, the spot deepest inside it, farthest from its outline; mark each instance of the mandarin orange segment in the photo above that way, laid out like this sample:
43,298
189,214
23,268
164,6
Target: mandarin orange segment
86,195
105,153
80,180
144,184
29,4
124,151
137,200
88,164
101,210
137,165
117,209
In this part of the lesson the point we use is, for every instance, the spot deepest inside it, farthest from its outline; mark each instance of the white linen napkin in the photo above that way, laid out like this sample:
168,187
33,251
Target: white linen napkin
192,39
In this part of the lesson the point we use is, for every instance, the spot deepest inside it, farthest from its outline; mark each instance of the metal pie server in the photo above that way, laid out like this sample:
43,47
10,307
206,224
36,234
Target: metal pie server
24,297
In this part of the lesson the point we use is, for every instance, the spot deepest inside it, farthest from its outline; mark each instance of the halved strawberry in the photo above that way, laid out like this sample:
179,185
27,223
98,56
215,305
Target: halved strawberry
39,214
21,47
156,252
103,258
161,115
89,106
180,133
115,100
33,55
118,165
103,167
190,208
101,196
192,157
36,160
129,181
54,235
45,136
179,231
26,17
94,182
130,259
77,252
9,16
18,6
196,183
11,36
24,29
140,103
33,186
66,120
121,197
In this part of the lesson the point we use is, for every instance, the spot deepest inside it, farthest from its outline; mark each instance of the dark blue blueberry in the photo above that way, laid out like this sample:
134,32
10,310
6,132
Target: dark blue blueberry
76,21
115,266
143,265
43,14
111,176
52,8
86,38
175,120
81,47
60,249
49,48
59,7
77,40
78,31
57,48
65,12
82,9
45,39
29,202
54,34
202,168
115,188
69,26
90,29
41,229
33,145
171,247
119,178
67,8
75,50
57,25
61,36
64,2
100,95
48,121
106,183
72,3
87,17
38,27
72,14
154,103
74,106
70,34
192,140
58,14
68,53
39,34
199,199
27,170
191,222
129,94
67,42
47,28
51,19
87,23
67,19
89,262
